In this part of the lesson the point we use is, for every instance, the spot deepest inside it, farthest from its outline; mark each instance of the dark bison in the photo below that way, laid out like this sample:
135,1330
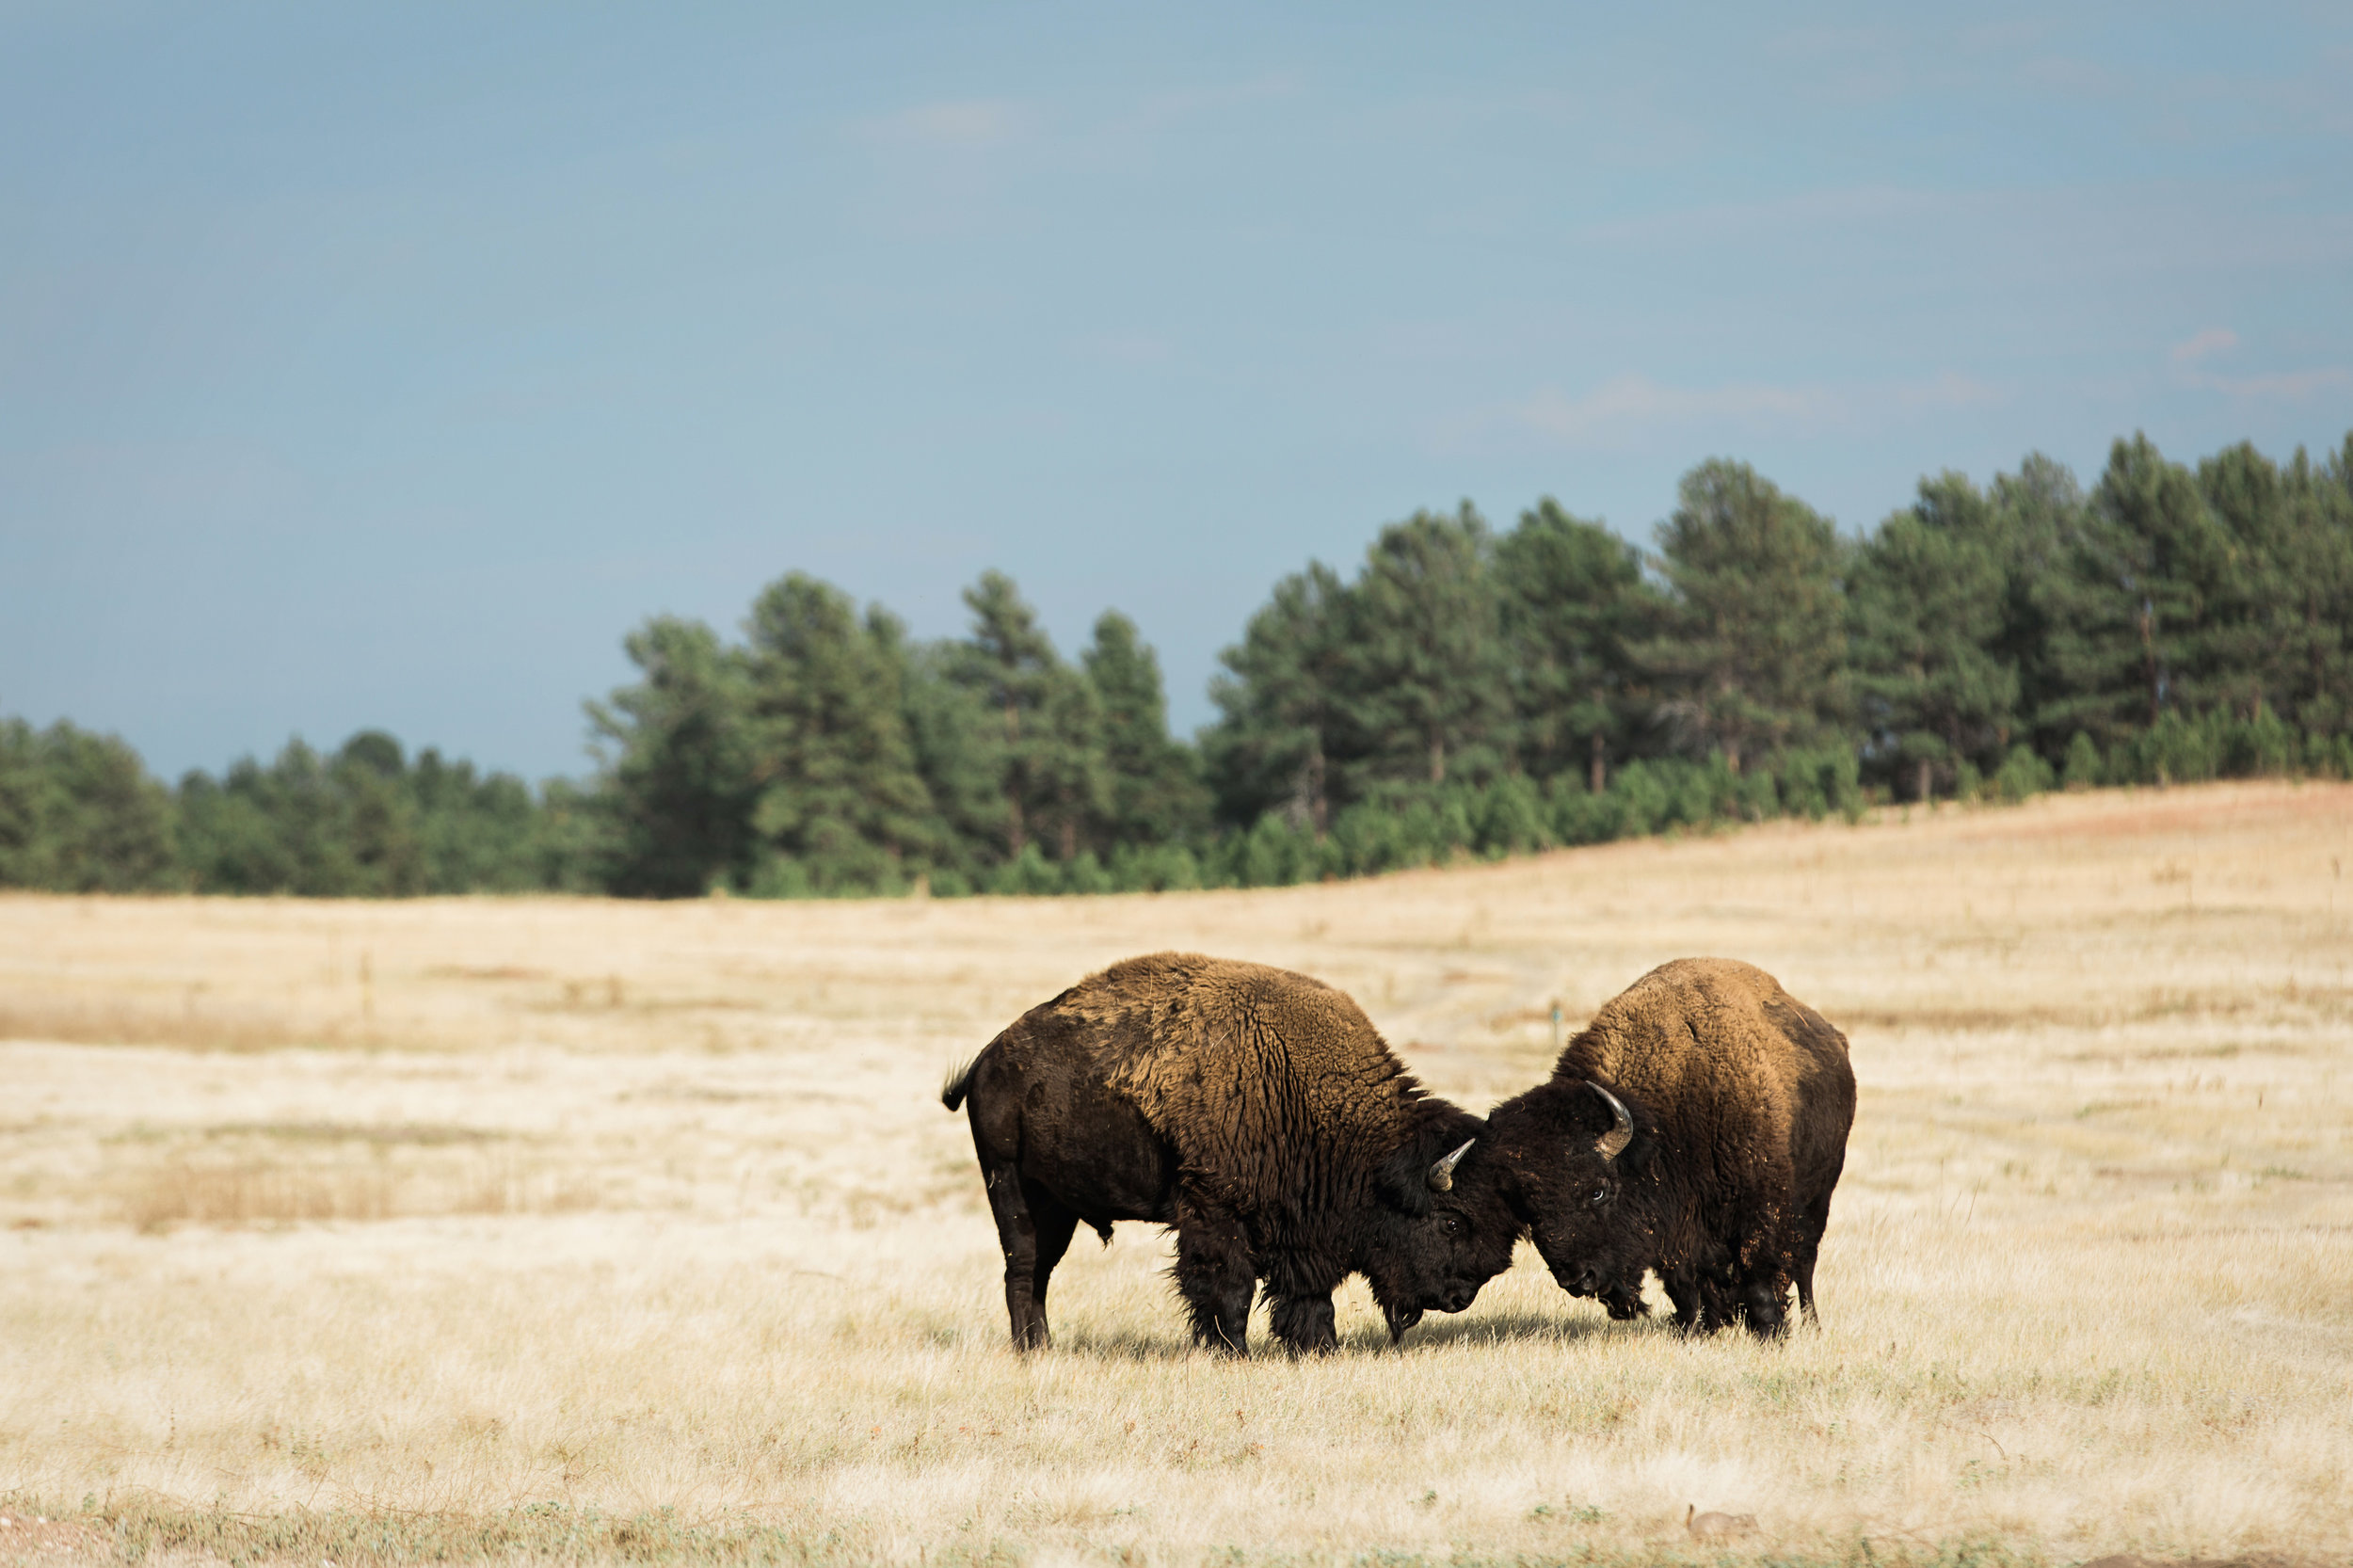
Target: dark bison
1257,1112
1727,1191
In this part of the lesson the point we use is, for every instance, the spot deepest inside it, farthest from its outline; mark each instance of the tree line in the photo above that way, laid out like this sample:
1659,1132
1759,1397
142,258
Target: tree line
1466,690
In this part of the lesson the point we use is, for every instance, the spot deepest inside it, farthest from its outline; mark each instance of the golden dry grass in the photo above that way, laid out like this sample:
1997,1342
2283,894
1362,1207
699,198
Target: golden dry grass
456,1228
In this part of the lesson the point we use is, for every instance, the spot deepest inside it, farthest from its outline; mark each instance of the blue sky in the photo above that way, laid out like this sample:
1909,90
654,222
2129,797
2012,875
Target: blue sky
385,365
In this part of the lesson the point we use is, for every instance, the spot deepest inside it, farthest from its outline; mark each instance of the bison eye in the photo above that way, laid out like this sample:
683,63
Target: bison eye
1452,1225
1601,1195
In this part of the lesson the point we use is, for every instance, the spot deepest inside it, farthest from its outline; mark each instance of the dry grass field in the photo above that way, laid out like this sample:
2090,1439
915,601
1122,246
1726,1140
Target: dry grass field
573,1230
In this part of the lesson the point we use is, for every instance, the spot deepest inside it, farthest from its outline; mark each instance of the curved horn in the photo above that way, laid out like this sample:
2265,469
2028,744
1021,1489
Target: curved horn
1442,1174
1612,1143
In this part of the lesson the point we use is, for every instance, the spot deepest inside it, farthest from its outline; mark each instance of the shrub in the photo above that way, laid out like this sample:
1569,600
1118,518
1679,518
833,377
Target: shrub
2084,771
1642,801
1814,783
1028,872
1273,854
1576,815
1086,874
2022,773
1511,818
2259,747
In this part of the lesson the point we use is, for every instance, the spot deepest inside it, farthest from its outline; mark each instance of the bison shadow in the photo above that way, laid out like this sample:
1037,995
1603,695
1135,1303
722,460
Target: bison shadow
1492,1328
1513,1328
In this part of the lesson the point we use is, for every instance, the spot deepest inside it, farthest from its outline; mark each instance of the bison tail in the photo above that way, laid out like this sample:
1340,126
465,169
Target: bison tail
959,1080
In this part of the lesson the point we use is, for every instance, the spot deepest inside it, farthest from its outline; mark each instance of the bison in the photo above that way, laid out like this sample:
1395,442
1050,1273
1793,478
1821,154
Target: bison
1727,1192
1255,1112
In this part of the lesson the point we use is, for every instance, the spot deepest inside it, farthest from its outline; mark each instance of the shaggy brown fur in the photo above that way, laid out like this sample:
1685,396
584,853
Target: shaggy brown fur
1754,1098
1256,1075
1255,1111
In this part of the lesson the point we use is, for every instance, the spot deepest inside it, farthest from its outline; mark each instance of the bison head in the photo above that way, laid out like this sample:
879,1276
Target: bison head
1434,1240
1560,1157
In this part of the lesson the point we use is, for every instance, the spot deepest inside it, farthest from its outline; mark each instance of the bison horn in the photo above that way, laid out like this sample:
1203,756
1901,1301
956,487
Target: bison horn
1612,1143
1442,1174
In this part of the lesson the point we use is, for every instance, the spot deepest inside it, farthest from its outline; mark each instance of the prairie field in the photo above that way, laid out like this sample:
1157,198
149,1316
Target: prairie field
578,1231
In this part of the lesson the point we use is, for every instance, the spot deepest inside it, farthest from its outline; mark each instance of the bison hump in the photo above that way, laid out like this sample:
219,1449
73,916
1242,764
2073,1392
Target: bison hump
1264,1080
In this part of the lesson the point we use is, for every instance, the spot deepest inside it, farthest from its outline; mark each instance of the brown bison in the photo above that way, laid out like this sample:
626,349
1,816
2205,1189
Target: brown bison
1752,1099
1255,1112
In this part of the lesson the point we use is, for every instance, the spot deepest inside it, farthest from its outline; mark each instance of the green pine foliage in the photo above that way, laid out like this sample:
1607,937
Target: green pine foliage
2138,598
1752,658
1281,700
831,755
79,814
1157,794
2035,509
1422,688
367,823
1573,604
2287,635
1925,602
1460,695
842,805
681,773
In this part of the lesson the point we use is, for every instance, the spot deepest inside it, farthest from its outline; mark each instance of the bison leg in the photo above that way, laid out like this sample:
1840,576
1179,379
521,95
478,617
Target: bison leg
1707,1301
1683,1288
1809,1227
1215,1276
1055,1224
1033,1231
1720,1302
1304,1323
1765,1302
1761,1280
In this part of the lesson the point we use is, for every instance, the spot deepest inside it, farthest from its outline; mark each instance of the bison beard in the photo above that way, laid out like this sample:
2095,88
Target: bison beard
1752,1097
1257,1112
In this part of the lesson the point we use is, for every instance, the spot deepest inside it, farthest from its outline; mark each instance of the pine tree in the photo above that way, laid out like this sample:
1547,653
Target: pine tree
682,776
1925,600
2278,614
840,798
230,840
79,813
2313,663
2036,511
958,743
1009,662
1754,645
1054,778
1065,765
478,833
1574,604
1423,676
2132,629
371,810
1156,794
1279,700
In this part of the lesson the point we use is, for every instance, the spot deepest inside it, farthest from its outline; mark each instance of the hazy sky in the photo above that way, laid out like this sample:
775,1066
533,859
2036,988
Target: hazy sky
384,365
